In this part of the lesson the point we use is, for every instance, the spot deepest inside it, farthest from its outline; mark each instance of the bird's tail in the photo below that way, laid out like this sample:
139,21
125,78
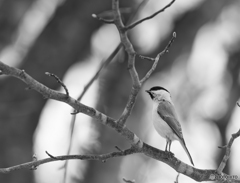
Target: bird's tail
186,150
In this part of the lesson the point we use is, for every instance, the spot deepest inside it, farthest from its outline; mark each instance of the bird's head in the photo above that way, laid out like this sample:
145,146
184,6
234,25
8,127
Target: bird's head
157,93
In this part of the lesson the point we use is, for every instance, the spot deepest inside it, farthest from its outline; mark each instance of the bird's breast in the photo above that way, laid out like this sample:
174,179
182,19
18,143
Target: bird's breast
161,126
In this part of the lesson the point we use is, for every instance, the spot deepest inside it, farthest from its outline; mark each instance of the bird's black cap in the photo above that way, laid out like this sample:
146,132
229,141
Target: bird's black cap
155,88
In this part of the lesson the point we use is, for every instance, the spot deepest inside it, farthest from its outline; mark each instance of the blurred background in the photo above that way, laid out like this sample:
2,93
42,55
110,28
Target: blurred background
202,72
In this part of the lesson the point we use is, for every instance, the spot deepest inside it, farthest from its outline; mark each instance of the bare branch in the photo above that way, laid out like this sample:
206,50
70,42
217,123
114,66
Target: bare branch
36,163
138,145
102,19
157,59
228,151
128,181
176,181
107,16
126,43
118,148
34,158
55,95
149,17
104,64
146,58
51,156
131,64
130,104
59,81
73,120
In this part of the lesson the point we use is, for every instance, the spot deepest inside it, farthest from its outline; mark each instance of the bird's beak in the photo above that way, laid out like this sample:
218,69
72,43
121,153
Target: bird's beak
150,93
147,91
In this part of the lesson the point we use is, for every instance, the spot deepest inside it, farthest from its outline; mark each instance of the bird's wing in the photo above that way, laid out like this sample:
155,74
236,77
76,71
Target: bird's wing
167,112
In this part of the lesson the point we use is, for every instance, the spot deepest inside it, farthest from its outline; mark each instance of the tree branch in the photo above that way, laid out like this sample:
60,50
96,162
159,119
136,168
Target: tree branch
119,126
73,120
36,163
157,59
137,145
136,85
102,19
55,95
228,152
59,81
149,17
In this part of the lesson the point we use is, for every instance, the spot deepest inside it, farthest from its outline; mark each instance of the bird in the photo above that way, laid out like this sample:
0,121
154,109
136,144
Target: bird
165,119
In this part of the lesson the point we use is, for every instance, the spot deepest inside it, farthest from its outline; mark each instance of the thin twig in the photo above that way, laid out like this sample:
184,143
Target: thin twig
73,119
109,59
36,163
128,181
131,65
228,151
102,19
105,64
59,81
118,148
176,181
107,16
136,85
146,58
149,17
34,158
51,156
139,146
238,104
222,147
158,57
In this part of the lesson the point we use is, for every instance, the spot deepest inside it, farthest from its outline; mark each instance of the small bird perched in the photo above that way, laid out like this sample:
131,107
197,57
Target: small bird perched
165,118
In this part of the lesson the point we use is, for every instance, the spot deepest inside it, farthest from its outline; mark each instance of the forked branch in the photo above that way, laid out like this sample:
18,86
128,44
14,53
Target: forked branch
149,17
228,152
137,146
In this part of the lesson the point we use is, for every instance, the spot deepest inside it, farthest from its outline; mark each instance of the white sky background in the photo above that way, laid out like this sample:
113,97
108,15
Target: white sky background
208,52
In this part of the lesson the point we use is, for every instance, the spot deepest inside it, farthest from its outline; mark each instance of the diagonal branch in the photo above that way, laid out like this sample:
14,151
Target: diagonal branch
119,126
136,85
56,95
149,17
102,19
36,163
104,64
59,81
73,120
228,152
138,145
126,43
238,104
107,16
157,58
